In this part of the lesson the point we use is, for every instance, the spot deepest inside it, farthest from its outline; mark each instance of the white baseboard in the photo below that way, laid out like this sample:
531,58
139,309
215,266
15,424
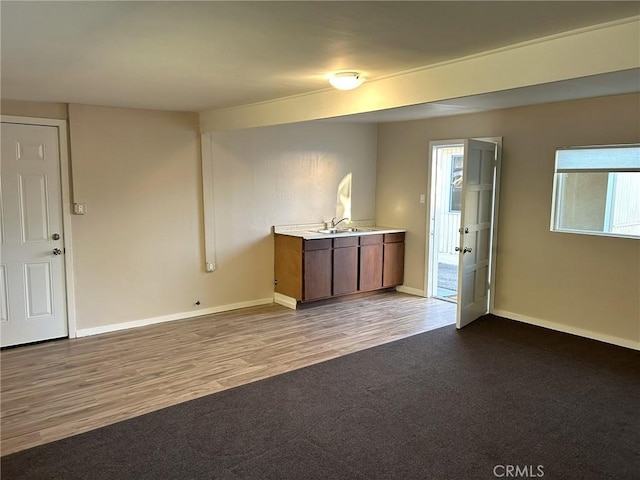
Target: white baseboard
285,301
559,327
85,332
292,303
410,291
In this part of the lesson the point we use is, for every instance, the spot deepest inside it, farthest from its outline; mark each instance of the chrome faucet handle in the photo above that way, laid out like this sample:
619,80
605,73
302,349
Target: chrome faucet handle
334,223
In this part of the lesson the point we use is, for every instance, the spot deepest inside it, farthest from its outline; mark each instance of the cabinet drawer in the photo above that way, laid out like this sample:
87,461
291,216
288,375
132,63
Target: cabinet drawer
370,239
394,237
341,242
321,244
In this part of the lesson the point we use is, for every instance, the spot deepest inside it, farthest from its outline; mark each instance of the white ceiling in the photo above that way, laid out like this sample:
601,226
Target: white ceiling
198,56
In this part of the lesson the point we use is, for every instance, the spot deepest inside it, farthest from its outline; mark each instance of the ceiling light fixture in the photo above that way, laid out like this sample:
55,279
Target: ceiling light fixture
346,80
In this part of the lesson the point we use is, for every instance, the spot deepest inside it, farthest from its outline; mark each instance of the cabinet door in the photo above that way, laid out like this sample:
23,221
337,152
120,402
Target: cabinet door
393,270
317,274
370,267
345,270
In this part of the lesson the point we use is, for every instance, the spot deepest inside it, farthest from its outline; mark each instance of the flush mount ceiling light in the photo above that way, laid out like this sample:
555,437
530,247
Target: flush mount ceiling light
346,80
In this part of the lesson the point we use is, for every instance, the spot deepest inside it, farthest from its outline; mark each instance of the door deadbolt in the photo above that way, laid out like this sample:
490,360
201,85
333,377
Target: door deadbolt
56,236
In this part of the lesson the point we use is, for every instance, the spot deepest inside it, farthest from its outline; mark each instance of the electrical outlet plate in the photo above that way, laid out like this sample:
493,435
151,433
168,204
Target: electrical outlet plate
210,267
79,208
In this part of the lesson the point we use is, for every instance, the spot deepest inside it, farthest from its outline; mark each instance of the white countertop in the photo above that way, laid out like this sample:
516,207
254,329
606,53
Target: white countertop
311,231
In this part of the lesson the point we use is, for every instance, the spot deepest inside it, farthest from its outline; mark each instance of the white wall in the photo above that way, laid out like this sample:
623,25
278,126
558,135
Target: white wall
58,111
576,283
283,175
139,250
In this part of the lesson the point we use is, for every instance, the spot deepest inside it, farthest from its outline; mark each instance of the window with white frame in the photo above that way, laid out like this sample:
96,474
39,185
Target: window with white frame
597,190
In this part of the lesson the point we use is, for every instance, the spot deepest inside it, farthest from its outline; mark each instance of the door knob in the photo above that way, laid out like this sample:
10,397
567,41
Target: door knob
466,249
57,251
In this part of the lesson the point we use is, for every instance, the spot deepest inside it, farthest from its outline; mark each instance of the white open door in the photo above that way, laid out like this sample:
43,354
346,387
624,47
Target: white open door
476,226
32,270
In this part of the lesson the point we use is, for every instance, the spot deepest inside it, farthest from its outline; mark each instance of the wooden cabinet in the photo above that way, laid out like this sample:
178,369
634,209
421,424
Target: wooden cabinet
393,261
345,265
370,262
309,270
303,268
317,269
288,262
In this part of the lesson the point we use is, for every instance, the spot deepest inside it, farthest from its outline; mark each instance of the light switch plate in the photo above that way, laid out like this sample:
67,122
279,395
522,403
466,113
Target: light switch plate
422,198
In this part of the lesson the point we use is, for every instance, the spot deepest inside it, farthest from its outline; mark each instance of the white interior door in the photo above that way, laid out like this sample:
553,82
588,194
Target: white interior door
32,277
479,171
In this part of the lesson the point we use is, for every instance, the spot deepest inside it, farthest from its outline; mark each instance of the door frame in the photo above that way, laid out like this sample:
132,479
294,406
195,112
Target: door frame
494,218
65,186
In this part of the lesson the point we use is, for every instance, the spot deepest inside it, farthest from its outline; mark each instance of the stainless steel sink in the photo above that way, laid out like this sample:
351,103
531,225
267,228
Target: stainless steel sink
343,230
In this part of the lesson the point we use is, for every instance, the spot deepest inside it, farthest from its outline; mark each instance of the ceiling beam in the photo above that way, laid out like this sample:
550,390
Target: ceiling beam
605,48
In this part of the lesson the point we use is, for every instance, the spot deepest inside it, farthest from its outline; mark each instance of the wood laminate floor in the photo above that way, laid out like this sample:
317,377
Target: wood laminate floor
58,389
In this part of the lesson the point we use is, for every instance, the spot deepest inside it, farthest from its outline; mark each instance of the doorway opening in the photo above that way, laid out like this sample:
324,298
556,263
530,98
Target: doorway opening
463,205
446,198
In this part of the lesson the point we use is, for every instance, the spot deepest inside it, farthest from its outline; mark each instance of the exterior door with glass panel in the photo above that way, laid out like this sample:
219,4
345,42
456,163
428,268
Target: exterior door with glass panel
32,276
476,226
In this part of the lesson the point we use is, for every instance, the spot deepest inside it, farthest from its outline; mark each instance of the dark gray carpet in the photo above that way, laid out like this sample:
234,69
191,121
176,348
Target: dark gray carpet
445,404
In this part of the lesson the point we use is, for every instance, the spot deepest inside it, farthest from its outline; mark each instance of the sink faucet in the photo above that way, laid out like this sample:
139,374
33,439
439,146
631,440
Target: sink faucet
334,224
